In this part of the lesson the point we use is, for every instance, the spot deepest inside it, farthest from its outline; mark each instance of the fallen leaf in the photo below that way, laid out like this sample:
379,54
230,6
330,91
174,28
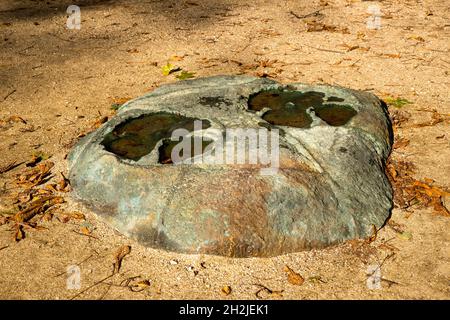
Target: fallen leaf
36,158
118,257
36,207
118,102
373,237
176,58
185,75
405,235
316,279
19,234
48,216
396,102
417,38
226,290
314,26
400,143
99,122
435,119
63,184
294,277
77,216
134,284
16,119
169,68
85,230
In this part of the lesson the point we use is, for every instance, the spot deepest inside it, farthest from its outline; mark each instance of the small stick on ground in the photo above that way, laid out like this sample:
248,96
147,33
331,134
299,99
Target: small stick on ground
315,13
87,235
9,167
90,287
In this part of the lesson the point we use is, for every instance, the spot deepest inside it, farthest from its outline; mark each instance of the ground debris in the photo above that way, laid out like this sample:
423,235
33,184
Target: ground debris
315,26
135,284
118,257
226,290
436,118
294,277
398,117
409,191
35,175
9,166
269,292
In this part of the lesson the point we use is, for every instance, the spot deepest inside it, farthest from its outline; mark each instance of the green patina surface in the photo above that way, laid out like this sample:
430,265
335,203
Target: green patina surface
289,108
137,137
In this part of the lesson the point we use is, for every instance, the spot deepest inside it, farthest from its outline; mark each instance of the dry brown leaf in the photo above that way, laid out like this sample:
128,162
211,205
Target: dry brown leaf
77,216
142,284
417,38
16,119
409,191
134,284
99,122
64,218
35,159
435,119
118,257
294,277
400,143
3,220
85,230
121,100
36,207
391,55
48,216
374,235
226,290
398,117
315,26
19,234
51,187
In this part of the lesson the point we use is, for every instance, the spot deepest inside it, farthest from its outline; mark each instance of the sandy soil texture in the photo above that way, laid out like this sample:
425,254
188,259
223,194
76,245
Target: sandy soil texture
56,84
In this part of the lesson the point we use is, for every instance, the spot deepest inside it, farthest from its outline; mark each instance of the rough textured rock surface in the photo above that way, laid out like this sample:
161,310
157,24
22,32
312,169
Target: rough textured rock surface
330,185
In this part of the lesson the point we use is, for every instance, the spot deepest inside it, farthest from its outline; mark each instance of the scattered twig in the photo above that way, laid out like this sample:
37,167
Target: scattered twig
390,282
265,289
326,50
312,14
77,264
84,234
10,166
91,286
382,263
10,93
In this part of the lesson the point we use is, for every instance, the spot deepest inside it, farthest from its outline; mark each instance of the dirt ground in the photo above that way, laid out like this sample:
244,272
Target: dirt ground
56,83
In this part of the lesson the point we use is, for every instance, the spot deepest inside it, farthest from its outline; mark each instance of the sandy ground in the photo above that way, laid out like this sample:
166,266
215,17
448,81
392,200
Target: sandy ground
60,82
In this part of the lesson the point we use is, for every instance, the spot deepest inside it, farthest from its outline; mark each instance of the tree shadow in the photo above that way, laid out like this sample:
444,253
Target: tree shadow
187,12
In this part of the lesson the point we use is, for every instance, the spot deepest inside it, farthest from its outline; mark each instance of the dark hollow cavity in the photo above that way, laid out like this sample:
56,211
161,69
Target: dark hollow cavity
165,150
137,137
288,108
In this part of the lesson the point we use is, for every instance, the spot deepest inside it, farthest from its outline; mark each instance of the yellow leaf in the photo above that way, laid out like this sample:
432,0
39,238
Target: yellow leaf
405,235
168,69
